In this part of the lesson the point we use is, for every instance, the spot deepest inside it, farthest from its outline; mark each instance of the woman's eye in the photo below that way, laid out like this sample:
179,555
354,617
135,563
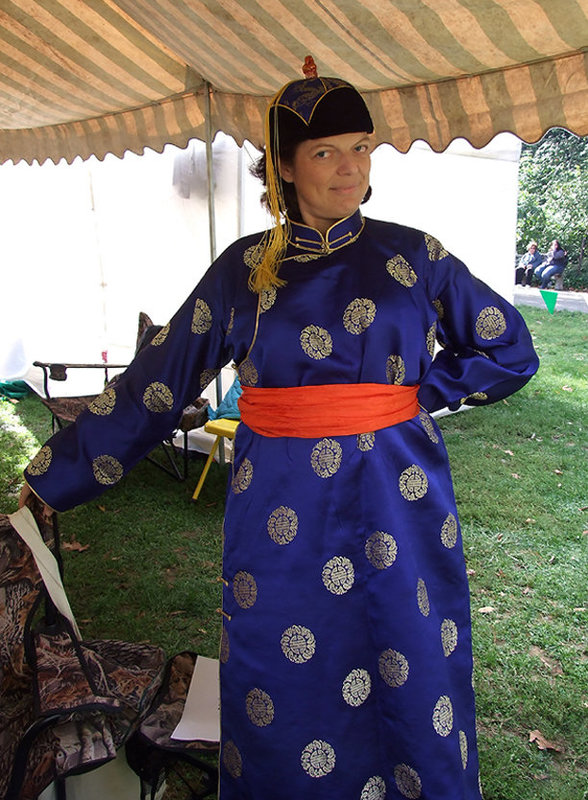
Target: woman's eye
322,154
361,148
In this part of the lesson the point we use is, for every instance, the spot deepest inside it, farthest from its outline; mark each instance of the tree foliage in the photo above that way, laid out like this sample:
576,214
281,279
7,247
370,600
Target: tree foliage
553,199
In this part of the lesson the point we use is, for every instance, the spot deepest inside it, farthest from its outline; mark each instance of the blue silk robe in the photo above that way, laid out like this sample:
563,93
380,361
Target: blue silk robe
346,666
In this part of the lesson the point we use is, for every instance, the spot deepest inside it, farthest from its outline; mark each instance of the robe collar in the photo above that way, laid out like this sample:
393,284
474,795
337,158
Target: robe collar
342,233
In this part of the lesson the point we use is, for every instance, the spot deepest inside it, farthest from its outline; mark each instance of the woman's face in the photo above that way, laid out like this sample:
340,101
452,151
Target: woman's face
331,176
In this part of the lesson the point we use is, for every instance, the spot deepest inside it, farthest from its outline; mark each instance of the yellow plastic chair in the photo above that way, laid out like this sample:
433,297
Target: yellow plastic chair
220,427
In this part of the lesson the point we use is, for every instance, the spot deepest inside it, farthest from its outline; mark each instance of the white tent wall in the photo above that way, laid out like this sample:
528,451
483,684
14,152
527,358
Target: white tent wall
86,247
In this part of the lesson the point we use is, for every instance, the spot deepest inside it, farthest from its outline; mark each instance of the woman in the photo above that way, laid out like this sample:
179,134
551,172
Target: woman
346,667
527,265
554,264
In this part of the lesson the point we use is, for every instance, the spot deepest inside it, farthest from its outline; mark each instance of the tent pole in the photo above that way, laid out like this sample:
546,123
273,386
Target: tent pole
212,230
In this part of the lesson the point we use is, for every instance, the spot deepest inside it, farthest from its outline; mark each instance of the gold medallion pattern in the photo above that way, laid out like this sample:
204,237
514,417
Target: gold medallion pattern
395,370
431,339
282,525
449,531
243,477
439,308
207,376
232,759
107,470
158,398
316,342
338,575
359,315
103,405
375,789
393,668
244,589
490,323
401,271
408,781
318,759
427,424
225,647
41,462
448,636
357,687
160,336
267,298
303,258
435,249
253,256
366,441
248,374
260,708
423,598
463,748
381,550
413,483
326,457
443,716
298,644
202,317
474,396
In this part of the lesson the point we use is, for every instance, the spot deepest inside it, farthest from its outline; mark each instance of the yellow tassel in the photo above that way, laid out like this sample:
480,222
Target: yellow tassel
264,274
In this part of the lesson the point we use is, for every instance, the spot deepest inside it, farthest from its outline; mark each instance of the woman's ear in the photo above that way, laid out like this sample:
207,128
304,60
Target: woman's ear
286,171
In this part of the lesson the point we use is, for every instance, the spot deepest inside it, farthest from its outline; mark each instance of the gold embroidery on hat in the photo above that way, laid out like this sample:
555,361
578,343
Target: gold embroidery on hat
267,299
423,598
435,249
393,668
248,374
357,687
366,441
158,398
359,315
443,716
490,323
207,376
260,708
338,575
375,789
431,339
160,336
316,342
381,550
448,636
395,370
449,531
413,483
41,462
427,424
326,457
282,525
244,589
243,477
401,271
231,322
232,759
103,405
463,748
408,781
107,470
202,317
298,644
225,646
318,758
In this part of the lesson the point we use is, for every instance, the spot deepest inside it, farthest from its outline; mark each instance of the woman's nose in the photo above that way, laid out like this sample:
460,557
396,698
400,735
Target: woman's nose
347,165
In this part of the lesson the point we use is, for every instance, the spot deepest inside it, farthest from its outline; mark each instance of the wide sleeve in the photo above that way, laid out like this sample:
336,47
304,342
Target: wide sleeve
143,406
486,349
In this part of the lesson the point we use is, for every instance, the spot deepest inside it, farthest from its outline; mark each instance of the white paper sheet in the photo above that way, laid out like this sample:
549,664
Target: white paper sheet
201,717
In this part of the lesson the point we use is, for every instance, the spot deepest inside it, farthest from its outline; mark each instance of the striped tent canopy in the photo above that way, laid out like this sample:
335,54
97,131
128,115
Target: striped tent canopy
83,77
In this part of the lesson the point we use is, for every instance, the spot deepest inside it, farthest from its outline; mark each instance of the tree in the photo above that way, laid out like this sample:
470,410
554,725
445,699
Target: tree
553,199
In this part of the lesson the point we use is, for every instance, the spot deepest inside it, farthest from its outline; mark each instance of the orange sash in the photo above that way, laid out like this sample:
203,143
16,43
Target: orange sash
310,412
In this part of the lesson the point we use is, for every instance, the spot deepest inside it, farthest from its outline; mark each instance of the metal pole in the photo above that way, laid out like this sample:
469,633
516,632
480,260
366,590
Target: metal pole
212,229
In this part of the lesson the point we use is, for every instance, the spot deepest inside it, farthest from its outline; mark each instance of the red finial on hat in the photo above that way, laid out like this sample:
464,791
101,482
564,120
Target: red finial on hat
309,68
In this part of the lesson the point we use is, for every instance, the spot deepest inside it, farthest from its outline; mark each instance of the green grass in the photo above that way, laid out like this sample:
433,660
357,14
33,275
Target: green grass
151,568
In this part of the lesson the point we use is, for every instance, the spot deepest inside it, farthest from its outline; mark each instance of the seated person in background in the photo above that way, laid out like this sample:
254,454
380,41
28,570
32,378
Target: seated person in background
554,264
527,265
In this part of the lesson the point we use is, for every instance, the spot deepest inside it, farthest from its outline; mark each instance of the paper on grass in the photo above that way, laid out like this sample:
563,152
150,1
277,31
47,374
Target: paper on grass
201,717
